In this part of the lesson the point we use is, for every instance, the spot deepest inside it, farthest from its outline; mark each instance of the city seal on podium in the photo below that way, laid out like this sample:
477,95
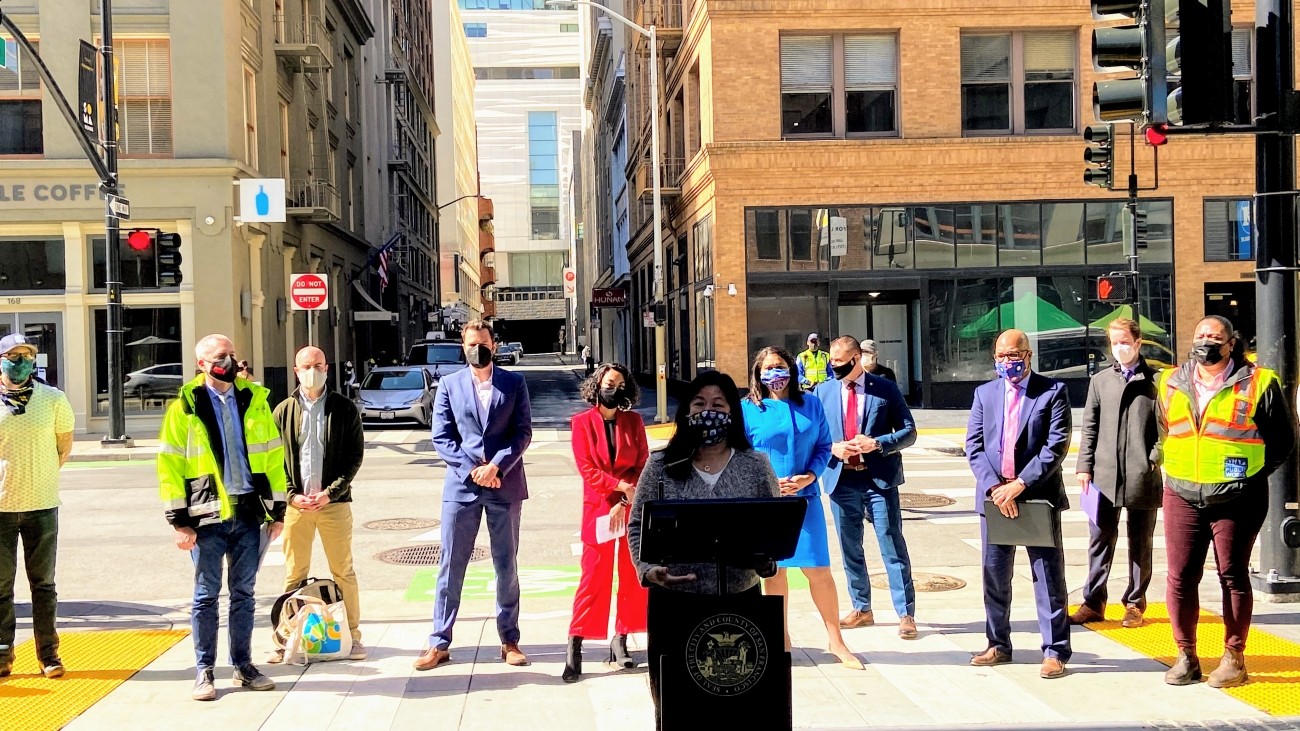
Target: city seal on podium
726,655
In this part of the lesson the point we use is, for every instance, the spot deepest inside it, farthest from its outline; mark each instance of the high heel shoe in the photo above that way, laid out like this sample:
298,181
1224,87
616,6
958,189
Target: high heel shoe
573,661
618,654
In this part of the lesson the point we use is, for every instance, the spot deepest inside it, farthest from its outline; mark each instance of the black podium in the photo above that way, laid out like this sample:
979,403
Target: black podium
721,657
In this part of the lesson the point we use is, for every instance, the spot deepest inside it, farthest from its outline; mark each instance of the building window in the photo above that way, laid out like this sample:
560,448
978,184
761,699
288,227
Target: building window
475,30
352,194
767,233
568,27
250,117
801,233
284,142
1229,235
31,265
349,83
1018,83
139,268
705,360
537,269
703,238
144,83
21,127
154,363
507,5
1243,42
839,85
511,73
544,175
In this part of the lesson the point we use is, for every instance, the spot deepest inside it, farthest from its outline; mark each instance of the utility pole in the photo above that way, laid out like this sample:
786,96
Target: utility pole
1136,227
117,435
1278,576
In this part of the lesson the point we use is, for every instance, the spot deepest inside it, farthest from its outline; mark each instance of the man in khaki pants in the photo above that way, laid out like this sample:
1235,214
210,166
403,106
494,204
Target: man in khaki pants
323,447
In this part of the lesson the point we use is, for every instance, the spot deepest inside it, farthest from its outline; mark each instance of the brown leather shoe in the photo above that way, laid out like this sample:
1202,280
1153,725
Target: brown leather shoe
856,619
432,658
1132,618
907,627
990,657
1086,615
1186,670
511,653
1230,673
1052,668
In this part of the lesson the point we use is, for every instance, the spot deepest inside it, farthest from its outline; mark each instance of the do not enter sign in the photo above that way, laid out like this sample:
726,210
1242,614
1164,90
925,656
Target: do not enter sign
308,292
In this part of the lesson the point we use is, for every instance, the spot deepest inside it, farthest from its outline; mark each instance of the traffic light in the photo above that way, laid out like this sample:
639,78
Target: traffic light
1199,61
169,260
1113,289
1138,47
1140,227
139,240
1100,156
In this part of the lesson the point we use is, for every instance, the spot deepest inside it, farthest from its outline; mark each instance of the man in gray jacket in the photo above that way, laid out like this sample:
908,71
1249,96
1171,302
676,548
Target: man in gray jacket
1118,458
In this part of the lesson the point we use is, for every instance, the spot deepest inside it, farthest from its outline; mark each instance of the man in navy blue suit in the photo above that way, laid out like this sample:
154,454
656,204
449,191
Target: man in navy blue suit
1016,441
482,425
871,426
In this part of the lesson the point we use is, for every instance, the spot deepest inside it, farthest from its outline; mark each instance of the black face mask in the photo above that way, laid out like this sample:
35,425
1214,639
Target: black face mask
1207,352
479,356
842,371
611,398
224,370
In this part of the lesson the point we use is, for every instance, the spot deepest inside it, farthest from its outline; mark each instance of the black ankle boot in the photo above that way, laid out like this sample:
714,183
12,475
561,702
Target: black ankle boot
573,661
618,654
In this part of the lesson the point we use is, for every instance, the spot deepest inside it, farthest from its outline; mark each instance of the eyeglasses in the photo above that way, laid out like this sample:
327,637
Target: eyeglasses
14,357
1011,355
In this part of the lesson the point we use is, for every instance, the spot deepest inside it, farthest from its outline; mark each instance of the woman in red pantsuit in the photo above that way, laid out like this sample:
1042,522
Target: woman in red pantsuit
610,448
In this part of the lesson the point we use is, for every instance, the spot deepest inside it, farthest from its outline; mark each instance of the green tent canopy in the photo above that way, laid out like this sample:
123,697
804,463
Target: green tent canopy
1148,328
1049,317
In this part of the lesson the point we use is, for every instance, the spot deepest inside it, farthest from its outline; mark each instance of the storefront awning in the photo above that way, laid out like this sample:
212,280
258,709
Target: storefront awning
1148,328
1047,316
365,296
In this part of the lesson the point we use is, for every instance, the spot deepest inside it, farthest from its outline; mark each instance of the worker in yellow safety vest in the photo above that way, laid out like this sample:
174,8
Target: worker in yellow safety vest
814,364
222,479
1225,426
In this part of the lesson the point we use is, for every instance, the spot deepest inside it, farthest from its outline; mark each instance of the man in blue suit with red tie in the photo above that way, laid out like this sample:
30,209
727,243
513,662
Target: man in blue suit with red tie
1016,442
870,427
482,425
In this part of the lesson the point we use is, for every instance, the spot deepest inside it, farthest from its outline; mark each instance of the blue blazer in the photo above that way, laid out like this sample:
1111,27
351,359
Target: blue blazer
885,417
1044,439
465,441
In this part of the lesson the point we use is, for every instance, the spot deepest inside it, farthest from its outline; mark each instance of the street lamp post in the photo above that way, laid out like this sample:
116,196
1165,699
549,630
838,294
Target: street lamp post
660,296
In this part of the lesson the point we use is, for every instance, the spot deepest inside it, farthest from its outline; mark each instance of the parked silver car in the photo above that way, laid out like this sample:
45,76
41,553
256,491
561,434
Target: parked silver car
396,393
157,381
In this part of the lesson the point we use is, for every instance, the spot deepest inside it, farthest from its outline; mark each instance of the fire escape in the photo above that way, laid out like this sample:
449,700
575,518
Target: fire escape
306,50
410,169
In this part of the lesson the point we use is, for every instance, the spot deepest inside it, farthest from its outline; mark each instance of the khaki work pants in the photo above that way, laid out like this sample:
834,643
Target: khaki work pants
334,523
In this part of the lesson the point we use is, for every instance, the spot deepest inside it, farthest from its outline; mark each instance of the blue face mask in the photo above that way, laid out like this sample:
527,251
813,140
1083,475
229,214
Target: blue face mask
1012,370
775,379
17,370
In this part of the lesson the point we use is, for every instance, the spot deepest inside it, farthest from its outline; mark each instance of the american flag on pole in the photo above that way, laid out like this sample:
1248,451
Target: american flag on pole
383,269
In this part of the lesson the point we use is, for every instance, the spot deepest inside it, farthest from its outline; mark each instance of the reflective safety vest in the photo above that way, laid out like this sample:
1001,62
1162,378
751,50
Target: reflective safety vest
189,476
814,365
1221,446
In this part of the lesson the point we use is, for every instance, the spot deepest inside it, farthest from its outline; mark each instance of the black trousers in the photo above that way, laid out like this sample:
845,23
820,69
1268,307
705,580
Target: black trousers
1101,554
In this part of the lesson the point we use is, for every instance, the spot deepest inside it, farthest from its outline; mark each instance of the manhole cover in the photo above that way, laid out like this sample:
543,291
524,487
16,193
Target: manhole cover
921,500
923,582
426,555
402,523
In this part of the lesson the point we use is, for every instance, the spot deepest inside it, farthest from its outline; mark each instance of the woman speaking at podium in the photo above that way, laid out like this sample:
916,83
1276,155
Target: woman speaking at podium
709,457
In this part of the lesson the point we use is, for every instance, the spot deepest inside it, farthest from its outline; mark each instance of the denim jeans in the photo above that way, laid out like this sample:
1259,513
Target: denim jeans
39,530
855,501
234,543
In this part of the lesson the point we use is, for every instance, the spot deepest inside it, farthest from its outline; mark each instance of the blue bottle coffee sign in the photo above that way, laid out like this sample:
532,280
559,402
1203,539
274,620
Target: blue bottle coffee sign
262,199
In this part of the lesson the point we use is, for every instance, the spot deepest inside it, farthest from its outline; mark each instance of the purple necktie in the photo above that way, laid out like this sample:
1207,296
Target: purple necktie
1011,433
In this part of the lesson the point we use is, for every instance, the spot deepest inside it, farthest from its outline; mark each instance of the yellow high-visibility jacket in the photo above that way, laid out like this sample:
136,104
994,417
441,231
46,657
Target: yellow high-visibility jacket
814,367
190,457
1245,432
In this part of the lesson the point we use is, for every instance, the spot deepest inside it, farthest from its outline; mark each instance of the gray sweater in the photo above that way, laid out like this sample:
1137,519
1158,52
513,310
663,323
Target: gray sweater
748,475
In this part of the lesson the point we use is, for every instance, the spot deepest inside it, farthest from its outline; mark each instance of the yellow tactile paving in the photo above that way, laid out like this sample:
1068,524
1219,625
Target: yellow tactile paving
97,662
1273,662
660,431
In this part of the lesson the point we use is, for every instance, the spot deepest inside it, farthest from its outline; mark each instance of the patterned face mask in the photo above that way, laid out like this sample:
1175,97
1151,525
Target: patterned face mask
709,427
776,379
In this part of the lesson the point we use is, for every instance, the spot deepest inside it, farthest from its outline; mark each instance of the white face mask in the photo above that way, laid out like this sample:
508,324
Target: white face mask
312,379
1124,354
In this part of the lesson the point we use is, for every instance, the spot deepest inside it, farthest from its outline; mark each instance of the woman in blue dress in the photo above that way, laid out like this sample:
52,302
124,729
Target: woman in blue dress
792,431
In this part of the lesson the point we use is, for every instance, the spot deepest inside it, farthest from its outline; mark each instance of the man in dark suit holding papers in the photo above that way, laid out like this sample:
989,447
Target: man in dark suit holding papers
1016,441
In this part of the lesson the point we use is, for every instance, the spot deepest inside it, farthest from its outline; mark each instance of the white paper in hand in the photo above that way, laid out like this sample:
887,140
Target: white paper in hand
603,533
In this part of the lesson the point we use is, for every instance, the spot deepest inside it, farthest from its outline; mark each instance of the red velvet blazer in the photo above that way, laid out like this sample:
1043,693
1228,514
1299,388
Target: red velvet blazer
591,452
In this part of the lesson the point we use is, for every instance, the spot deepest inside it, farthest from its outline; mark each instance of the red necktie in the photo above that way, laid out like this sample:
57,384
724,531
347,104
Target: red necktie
851,418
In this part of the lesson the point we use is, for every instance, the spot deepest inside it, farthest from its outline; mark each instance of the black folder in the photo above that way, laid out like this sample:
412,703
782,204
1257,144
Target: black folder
1038,524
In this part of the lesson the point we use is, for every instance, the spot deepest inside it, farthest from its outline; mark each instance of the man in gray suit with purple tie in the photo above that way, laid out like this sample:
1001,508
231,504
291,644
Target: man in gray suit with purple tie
482,425
1016,442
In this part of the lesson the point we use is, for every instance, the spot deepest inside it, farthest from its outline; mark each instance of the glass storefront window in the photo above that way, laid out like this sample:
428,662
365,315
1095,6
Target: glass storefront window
801,235
1105,232
1159,247
859,222
154,362
31,266
932,233
763,240
976,236
1063,233
779,316
705,359
889,238
1019,235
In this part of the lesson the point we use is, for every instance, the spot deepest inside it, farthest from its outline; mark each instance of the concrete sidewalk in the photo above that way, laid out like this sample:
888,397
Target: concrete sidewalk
922,684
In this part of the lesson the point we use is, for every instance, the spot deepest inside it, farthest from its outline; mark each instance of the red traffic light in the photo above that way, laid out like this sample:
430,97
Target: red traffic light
1113,289
139,240
1157,135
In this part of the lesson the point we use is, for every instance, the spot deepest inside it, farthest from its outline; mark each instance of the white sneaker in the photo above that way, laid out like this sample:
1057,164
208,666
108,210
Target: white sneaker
358,651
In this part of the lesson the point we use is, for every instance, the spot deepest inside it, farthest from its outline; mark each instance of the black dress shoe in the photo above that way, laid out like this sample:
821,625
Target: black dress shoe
618,654
572,661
